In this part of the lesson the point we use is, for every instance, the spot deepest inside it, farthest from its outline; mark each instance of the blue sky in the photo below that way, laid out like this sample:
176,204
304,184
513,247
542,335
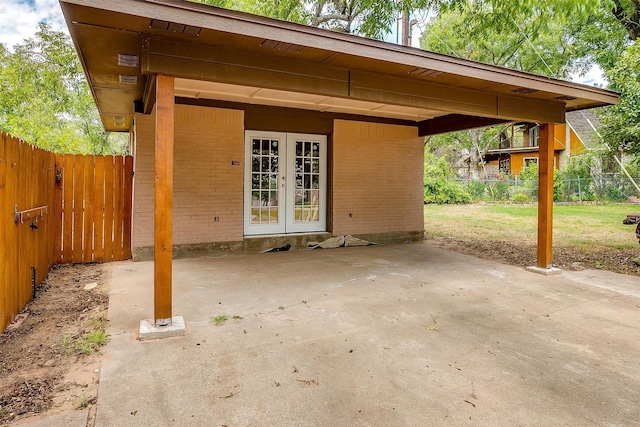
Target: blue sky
19,19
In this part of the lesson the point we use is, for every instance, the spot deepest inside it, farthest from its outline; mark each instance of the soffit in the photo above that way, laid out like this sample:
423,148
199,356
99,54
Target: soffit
198,89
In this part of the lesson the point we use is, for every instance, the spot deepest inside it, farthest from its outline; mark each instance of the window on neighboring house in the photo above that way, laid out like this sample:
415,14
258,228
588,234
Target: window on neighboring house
518,136
534,136
528,160
504,166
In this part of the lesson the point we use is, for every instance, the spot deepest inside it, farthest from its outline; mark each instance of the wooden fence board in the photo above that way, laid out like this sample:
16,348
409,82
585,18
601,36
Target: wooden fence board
78,206
4,218
25,239
67,210
12,304
118,206
58,200
46,168
89,194
108,208
98,210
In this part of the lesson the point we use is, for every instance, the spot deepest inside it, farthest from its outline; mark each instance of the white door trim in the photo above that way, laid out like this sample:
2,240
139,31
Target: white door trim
299,210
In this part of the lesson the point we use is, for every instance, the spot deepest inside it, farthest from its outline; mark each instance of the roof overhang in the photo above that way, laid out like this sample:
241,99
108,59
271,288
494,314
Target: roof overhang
226,55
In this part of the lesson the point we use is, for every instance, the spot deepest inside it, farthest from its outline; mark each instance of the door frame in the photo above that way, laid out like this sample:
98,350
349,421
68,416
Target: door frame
286,187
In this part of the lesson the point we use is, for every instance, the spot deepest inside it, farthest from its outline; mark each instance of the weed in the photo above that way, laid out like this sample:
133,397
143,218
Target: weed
85,401
87,342
219,320
599,265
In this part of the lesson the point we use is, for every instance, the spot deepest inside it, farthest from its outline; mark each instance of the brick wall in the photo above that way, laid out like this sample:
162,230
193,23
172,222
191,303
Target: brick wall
206,184
377,177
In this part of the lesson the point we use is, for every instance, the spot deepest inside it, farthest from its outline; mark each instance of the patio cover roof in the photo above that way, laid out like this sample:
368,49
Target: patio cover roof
225,55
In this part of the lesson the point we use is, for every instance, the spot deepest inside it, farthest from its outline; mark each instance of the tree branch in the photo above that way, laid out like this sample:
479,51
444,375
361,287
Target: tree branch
630,24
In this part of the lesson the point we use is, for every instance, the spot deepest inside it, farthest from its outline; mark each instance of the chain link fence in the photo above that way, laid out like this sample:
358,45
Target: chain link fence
611,188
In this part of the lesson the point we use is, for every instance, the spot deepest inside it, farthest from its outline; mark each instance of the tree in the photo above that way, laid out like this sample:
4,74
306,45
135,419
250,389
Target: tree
627,12
287,10
369,18
45,99
621,123
531,41
528,42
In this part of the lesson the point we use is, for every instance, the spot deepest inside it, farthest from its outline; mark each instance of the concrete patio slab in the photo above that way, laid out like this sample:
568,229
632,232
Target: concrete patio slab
403,335
71,419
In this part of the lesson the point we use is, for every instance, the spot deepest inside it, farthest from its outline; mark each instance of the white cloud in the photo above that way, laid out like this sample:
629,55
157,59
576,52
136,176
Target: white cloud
593,77
19,19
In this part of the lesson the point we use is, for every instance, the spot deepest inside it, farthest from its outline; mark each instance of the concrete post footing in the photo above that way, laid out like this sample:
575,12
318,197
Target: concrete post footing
550,271
149,330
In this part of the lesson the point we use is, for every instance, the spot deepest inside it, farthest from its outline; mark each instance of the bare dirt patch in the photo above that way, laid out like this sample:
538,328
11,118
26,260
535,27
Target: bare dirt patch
50,355
566,257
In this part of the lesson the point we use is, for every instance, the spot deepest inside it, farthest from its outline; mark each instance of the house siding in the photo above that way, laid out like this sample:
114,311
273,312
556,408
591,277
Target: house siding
377,178
207,183
517,161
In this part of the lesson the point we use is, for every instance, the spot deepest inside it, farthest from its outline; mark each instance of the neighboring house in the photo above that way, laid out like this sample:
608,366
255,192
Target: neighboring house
519,143
249,132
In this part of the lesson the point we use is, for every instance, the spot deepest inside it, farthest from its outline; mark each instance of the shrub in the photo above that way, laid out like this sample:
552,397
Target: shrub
438,188
520,198
477,189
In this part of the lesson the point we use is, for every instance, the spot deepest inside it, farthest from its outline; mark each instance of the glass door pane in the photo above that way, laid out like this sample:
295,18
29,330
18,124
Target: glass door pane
264,181
264,191
306,193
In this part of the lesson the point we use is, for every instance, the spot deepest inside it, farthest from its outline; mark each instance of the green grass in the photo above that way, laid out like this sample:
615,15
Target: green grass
90,341
577,225
221,319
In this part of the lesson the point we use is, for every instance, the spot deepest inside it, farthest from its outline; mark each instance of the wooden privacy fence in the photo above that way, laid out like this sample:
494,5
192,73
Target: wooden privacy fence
26,222
57,209
93,222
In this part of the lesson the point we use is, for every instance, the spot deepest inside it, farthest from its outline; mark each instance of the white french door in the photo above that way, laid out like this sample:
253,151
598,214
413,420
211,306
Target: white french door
285,183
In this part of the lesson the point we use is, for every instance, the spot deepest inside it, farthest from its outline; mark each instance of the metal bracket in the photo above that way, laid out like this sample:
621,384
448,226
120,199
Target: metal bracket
163,322
30,214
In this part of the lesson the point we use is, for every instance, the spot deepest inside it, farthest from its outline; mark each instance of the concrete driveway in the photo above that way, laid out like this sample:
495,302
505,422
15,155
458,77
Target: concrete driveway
404,335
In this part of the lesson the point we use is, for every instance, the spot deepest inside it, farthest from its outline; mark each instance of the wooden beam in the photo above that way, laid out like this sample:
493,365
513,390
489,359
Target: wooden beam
235,66
454,122
149,97
545,196
163,216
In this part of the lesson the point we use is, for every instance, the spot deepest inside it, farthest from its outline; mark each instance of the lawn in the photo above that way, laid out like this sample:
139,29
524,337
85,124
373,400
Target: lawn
581,226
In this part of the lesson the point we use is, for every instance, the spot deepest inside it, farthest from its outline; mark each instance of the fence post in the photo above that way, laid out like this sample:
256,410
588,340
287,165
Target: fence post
579,190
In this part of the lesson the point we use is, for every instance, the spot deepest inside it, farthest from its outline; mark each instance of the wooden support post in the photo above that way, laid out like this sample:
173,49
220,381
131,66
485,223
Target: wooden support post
545,196
163,224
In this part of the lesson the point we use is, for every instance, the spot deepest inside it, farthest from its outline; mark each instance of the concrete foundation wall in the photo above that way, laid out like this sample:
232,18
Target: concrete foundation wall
258,244
208,176
377,178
